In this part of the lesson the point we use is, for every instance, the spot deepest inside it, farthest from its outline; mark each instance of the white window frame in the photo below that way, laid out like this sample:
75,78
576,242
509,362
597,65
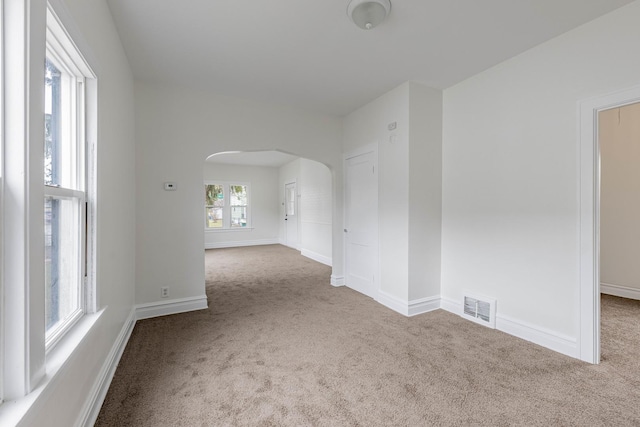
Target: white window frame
23,352
226,209
74,90
64,54
2,349
27,366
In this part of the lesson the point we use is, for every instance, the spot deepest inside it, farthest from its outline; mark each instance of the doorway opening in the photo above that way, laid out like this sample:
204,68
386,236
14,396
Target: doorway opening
619,143
590,246
291,215
268,197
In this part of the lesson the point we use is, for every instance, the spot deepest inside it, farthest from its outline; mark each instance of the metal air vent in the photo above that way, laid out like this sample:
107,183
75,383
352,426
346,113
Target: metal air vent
480,310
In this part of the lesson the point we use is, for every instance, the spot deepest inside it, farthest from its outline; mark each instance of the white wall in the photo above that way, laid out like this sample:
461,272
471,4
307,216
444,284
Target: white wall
368,125
425,191
173,140
315,211
409,206
510,171
263,205
314,193
63,396
619,138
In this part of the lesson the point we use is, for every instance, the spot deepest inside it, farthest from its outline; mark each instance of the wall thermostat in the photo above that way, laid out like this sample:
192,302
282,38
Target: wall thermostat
170,186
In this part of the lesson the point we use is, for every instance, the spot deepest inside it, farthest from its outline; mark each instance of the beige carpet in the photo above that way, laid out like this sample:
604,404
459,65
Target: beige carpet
280,346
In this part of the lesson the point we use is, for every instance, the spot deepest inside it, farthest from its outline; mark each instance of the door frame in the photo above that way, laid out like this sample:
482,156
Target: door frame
297,215
589,208
368,148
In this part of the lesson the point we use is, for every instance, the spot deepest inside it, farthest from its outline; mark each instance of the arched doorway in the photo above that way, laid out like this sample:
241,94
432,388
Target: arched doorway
268,197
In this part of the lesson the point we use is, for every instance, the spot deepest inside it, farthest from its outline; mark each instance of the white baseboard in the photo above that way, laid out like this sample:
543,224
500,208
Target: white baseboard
175,306
410,308
240,243
538,335
392,302
620,291
317,257
337,280
451,306
524,330
89,414
423,305
284,243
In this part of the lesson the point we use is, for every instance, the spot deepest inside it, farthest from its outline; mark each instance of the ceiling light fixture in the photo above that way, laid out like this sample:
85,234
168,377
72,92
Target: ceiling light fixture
367,14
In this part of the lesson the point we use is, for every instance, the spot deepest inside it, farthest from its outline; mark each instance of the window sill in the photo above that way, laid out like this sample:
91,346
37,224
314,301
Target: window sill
12,412
225,230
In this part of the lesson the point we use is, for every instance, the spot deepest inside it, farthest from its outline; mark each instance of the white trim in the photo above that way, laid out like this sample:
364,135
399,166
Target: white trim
423,305
538,335
620,291
359,151
589,225
364,149
452,306
21,410
296,214
64,193
394,303
337,281
2,351
175,306
316,257
226,208
91,409
545,337
296,247
240,243
409,308
65,19
225,230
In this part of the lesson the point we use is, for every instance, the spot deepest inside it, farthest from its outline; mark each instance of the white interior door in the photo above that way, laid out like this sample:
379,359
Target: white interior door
361,223
291,215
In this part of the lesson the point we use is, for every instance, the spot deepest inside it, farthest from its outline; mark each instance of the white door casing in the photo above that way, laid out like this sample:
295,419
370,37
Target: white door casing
361,222
291,215
589,205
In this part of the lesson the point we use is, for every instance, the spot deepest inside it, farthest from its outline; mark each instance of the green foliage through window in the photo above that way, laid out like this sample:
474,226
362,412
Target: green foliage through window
228,210
214,195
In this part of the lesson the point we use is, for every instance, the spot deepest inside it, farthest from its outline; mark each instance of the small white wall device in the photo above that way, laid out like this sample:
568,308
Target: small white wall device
170,186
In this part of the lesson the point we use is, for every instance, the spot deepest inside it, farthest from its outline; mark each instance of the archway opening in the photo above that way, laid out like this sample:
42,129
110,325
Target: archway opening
268,197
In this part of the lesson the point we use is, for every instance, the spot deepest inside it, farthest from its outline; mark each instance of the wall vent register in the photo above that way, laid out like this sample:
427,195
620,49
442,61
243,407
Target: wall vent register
480,310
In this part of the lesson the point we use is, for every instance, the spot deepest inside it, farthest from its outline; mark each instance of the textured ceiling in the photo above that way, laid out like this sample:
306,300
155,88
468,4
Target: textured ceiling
308,54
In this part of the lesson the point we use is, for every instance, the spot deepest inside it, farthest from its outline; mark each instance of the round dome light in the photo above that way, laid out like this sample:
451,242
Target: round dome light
367,14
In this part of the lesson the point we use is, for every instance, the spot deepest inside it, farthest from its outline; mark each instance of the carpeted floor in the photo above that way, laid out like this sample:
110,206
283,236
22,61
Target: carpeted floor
280,346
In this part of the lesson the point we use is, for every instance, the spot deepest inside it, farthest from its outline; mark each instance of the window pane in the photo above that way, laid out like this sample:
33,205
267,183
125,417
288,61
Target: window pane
238,216
214,217
238,195
62,255
60,150
52,123
290,201
214,195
